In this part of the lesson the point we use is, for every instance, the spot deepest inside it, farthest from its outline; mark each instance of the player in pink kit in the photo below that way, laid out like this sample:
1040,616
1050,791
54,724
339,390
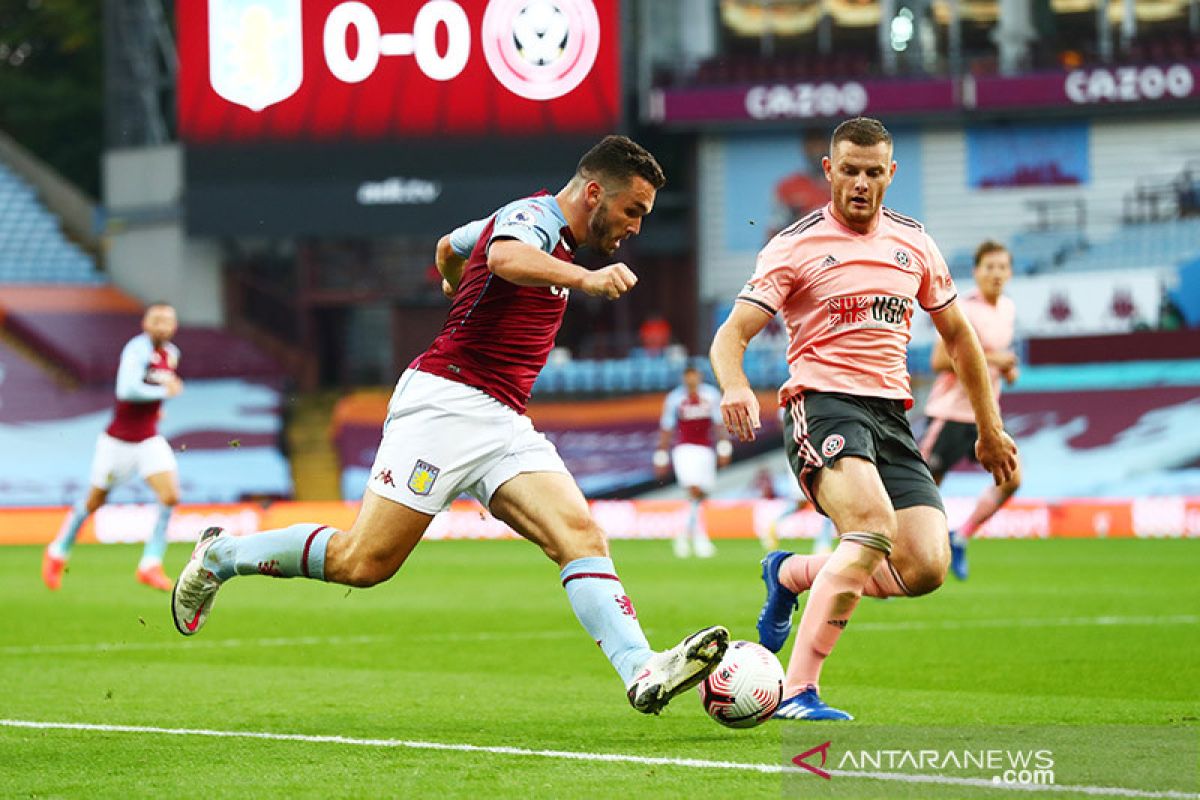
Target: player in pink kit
846,279
132,445
456,423
693,410
950,435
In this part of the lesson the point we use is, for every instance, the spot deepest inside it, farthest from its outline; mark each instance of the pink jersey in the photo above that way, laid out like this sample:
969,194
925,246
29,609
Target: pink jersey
994,326
143,370
692,416
847,301
498,334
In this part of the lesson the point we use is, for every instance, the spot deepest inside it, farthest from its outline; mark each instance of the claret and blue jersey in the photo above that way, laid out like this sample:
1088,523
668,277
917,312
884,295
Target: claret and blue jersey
498,335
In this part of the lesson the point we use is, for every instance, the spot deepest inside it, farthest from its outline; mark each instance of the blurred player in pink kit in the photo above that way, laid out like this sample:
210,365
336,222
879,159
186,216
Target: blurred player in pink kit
846,279
950,435
693,412
131,445
456,424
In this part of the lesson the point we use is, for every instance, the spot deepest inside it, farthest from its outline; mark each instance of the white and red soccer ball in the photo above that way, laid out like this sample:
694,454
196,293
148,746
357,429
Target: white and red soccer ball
745,688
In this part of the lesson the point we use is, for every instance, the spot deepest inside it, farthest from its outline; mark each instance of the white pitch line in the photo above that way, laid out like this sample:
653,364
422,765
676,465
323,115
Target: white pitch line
611,758
282,641
101,647
1026,622
566,633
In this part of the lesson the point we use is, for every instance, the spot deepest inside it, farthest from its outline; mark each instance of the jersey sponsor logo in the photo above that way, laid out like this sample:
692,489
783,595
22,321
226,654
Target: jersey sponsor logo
850,312
422,478
541,49
158,375
560,291
902,257
255,56
832,445
695,410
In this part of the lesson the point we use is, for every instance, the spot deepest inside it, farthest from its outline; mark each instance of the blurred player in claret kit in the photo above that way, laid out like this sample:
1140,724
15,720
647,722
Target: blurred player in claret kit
950,435
456,423
132,445
846,278
691,414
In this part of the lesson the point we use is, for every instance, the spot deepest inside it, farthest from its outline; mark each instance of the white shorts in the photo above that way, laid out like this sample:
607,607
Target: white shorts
116,461
695,465
443,438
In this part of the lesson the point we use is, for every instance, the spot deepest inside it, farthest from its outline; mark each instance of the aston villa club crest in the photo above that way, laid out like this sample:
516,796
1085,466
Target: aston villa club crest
422,478
255,55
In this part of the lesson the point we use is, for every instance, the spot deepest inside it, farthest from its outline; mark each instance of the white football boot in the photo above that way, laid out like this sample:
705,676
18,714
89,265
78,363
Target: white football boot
673,671
192,598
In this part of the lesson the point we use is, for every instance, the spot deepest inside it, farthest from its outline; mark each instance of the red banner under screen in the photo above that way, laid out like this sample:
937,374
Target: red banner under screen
332,70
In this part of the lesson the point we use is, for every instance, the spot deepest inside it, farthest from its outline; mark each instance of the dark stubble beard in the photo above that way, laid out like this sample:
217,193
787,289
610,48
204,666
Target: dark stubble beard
598,225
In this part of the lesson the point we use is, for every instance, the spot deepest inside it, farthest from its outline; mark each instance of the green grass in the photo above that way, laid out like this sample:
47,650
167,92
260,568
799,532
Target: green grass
475,643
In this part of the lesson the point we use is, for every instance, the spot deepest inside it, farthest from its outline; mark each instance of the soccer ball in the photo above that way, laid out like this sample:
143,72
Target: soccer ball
745,688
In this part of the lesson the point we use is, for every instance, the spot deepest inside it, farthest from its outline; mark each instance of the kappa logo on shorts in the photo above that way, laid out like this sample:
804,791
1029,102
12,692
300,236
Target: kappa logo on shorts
384,476
832,445
422,478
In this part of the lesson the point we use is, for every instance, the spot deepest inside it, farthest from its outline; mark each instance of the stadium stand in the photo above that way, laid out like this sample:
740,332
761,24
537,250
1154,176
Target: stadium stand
33,248
1147,244
225,427
83,330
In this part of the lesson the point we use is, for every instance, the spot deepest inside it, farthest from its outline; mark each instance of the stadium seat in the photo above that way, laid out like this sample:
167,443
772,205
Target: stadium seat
33,248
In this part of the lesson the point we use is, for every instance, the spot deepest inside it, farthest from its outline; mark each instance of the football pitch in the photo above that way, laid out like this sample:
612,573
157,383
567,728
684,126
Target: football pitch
468,676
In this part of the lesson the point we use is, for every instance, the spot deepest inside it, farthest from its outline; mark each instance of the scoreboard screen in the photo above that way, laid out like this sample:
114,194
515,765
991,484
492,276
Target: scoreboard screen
374,116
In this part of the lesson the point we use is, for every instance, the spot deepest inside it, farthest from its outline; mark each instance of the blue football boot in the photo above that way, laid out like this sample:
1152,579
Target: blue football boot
808,706
958,556
775,619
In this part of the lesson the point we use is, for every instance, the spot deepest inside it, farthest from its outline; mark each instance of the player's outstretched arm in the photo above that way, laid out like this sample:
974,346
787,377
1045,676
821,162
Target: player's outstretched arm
739,405
995,449
526,265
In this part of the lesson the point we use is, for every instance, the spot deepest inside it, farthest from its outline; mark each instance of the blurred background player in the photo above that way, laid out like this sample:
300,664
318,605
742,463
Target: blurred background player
950,435
846,279
456,423
691,413
132,445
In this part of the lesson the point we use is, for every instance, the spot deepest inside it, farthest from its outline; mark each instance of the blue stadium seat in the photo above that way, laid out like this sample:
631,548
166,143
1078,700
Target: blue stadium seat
33,248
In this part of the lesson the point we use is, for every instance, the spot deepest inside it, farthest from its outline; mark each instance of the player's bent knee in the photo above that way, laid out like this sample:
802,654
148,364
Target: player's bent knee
368,573
870,522
926,578
586,540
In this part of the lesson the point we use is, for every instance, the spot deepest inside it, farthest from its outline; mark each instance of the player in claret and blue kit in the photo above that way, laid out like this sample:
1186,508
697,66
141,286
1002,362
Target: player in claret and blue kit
456,424
132,445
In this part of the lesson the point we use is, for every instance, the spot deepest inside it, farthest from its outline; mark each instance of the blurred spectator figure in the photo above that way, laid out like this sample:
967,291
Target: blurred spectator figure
1187,187
804,190
1170,318
655,334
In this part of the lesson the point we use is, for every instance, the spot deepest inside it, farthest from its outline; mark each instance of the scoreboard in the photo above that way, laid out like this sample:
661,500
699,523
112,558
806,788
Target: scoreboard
369,117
